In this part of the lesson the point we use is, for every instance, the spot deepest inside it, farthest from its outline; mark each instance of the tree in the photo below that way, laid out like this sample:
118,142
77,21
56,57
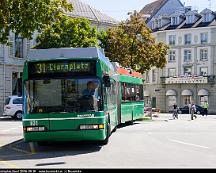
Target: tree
132,45
68,32
23,17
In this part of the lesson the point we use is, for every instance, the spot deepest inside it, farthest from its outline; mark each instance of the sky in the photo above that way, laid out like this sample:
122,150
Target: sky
118,9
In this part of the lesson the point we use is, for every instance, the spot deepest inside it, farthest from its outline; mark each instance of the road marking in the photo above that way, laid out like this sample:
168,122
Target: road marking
8,164
5,130
185,143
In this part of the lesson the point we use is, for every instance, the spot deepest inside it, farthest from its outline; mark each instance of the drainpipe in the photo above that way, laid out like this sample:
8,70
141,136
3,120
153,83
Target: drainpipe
4,83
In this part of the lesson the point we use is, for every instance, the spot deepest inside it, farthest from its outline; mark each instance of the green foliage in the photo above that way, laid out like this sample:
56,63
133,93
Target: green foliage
132,45
68,32
23,17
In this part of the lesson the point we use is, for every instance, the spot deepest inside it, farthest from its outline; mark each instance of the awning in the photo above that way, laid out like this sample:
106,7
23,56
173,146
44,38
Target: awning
186,93
171,93
203,92
146,93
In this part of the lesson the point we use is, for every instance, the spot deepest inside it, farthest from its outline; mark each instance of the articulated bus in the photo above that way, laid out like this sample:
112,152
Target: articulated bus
77,94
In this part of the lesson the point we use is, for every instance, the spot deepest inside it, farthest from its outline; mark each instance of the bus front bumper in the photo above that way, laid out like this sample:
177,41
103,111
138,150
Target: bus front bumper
52,136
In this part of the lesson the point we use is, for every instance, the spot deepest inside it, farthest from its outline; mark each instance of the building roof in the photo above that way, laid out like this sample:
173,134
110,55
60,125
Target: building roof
183,25
84,10
152,8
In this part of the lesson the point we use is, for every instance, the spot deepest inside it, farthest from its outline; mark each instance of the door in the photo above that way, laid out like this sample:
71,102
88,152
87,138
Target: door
154,102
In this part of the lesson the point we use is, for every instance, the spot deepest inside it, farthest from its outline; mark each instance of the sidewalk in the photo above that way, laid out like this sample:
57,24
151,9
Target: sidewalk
169,116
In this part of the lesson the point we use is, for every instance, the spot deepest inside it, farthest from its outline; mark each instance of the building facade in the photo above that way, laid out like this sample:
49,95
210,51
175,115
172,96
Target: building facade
190,73
13,57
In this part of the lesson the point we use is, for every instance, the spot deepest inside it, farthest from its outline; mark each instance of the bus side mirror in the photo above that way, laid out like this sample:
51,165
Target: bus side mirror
106,80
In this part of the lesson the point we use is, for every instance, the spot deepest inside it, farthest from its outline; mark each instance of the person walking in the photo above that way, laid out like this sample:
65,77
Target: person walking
189,106
175,111
205,106
193,111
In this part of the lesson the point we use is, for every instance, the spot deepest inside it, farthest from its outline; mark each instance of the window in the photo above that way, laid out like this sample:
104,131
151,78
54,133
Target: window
1,51
18,47
187,71
111,95
16,83
68,95
18,101
132,92
187,55
204,38
174,20
203,99
203,54
187,100
153,75
187,39
159,23
207,17
147,77
172,56
7,100
154,24
203,71
171,72
190,19
172,39
171,100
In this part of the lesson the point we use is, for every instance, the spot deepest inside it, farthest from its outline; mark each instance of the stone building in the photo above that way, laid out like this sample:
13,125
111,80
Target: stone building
13,57
189,75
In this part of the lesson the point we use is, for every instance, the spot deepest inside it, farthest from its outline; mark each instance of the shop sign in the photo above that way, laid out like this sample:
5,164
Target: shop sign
187,80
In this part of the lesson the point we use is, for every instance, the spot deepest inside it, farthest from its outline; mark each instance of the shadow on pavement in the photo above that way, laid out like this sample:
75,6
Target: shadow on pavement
20,150
9,119
123,125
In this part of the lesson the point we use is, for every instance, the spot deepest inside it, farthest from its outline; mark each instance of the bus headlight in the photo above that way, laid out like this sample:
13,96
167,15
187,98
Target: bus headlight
34,129
92,127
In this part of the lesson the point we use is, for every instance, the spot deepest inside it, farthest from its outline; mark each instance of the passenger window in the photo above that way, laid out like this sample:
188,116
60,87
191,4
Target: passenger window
17,101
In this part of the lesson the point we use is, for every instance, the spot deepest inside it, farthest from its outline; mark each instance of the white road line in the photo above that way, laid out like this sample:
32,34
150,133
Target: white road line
5,130
12,129
185,143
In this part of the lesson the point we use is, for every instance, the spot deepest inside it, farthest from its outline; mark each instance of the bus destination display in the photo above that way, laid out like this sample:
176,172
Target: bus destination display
61,67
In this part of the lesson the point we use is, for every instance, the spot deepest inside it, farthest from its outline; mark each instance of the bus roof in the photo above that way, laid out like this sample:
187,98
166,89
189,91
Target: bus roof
62,53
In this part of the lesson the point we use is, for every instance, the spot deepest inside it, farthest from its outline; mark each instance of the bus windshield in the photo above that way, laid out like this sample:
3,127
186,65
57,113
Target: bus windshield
63,95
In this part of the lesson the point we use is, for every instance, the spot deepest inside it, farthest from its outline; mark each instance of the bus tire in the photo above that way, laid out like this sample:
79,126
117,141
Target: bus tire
114,130
42,143
108,132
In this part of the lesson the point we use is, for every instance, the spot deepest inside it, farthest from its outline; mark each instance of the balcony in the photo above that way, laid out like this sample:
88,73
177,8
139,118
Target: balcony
212,79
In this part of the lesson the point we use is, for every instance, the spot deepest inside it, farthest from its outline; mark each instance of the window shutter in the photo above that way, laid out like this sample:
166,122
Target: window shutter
12,45
1,51
28,45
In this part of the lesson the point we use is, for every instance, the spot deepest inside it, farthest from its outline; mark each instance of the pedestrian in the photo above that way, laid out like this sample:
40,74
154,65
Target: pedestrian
193,111
205,106
175,111
189,106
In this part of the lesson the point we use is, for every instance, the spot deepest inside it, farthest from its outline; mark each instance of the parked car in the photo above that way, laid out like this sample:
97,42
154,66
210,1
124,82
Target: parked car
185,110
13,107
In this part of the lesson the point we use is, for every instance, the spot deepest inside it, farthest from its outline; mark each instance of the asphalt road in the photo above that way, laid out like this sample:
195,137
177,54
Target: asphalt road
161,143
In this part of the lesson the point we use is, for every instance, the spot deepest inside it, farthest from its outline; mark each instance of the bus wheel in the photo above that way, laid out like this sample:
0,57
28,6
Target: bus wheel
106,140
42,143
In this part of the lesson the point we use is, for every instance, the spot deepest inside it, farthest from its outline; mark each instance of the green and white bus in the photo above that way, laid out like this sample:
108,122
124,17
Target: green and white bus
77,94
